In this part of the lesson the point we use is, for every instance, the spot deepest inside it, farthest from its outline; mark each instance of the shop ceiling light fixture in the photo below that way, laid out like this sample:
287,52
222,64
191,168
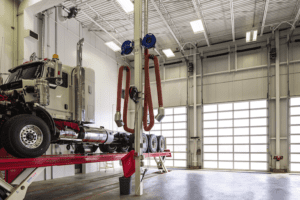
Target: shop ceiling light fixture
113,46
197,26
251,36
127,5
168,52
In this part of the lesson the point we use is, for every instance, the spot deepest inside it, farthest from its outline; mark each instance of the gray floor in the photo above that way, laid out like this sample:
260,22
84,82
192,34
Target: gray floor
178,184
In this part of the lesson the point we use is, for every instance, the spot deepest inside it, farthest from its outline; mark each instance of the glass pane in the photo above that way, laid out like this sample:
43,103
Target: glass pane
241,148
241,157
179,140
241,140
225,156
210,148
225,131
225,106
210,140
210,164
210,108
225,115
241,114
168,111
259,148
241,122
180,125
258,113
295,101
241,105
210,124
258,131
295,157
209,116
210,132
179,163
156,126
155,132
258,157
258,104
167,119
180,148
241,131
225,123
181,156
225,140
179,118
241,165
180,110
258,166
295,148
169,140
180,133
225,148
295,167
295,138
168,126
258,122
210,156
226,165
295,120
295,129
155,112
259,139
167,133
170,147
295,111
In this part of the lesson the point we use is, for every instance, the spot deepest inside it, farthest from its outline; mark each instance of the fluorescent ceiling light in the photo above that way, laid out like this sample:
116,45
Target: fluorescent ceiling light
251,34
248,34
168,52
127,5
197,26
113,46
255,35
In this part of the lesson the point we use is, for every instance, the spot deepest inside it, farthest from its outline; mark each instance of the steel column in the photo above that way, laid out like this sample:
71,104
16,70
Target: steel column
138,71
194,163
288,101
277,80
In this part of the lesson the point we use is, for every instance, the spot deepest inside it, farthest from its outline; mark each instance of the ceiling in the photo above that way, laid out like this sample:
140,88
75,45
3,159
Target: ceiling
224,20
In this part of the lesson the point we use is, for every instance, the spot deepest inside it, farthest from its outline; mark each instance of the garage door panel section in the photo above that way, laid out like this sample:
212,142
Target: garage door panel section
294,134
235,135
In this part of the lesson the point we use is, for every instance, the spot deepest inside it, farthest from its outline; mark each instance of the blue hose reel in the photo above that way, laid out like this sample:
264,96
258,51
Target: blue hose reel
149,41
127,47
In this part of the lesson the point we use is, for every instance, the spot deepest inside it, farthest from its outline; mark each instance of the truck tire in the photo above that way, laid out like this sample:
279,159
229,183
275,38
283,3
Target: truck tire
122,149
160,143
152,143
101,147
25,136
110,148
145,143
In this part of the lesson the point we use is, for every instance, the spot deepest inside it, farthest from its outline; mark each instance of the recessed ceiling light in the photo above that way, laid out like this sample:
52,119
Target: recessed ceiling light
127,5
248,34
168,52
113,46
197,26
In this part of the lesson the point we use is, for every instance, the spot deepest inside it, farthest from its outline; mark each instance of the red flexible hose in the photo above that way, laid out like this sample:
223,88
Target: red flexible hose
128,76
148,98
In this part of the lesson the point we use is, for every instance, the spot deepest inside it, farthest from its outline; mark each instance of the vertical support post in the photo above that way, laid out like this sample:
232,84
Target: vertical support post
277,80
236,62
202,76
138,83
269,100
195,105
145,17
229,62
288,100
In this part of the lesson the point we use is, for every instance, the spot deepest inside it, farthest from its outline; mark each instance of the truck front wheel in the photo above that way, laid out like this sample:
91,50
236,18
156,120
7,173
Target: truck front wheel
25,136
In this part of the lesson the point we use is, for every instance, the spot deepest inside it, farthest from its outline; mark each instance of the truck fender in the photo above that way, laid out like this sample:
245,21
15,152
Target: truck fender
44,115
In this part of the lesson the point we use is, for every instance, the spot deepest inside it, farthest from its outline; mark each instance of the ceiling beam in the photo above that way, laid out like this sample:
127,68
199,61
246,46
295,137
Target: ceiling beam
264,18
200,16
166,23
232,20
295,20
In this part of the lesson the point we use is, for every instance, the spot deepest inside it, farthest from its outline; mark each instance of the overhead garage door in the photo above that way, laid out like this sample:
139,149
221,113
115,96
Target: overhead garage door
295,134
235,135
174,128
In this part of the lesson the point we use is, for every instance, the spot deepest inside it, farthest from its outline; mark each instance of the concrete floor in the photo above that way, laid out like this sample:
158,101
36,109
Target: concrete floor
178,184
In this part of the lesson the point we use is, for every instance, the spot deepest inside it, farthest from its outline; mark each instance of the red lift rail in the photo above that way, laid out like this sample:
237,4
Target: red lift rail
56,160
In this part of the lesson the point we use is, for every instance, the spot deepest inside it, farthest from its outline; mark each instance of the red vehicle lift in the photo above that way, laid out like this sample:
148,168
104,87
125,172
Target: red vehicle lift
21,172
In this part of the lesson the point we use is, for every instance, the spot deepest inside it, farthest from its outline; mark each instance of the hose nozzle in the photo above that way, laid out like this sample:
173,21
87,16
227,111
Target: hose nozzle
161,114
118,119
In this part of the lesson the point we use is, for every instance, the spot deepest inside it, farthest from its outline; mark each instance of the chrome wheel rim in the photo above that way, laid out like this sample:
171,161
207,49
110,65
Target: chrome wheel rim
154,144
31,136
162,144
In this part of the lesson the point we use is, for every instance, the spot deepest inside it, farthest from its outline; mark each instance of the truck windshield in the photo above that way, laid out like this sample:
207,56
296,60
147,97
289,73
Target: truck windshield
27,72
